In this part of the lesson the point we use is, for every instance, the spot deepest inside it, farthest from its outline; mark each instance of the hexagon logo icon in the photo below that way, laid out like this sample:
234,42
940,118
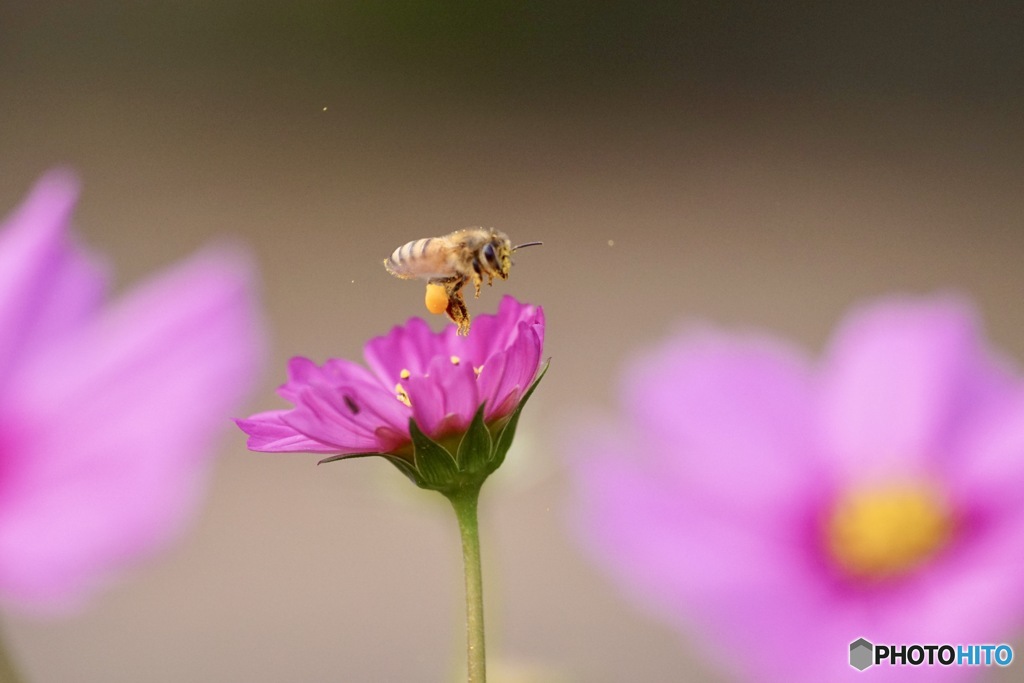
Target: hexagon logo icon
861,654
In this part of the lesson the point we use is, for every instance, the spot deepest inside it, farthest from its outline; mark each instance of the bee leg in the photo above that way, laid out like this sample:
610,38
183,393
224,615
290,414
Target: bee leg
459,314
477,278
456,309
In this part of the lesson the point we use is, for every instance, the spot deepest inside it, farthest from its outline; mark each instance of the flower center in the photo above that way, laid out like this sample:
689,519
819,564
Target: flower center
883,532
402,395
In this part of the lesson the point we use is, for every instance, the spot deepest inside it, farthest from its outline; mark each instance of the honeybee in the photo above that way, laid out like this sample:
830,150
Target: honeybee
448,262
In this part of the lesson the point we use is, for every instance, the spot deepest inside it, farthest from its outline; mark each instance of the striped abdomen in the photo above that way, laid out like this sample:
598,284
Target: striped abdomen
420,258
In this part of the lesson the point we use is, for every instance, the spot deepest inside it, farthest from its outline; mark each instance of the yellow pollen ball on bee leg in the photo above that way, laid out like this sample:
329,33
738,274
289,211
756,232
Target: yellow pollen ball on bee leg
436,299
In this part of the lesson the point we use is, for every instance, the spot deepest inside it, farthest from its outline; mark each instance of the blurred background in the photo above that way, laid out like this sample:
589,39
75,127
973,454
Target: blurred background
756,164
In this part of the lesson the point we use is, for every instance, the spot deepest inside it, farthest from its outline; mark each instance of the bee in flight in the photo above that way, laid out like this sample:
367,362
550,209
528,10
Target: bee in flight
448,262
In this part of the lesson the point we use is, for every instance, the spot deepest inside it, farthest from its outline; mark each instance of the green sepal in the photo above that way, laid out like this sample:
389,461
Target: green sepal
504,441
346,456
475,448
435,466
403,465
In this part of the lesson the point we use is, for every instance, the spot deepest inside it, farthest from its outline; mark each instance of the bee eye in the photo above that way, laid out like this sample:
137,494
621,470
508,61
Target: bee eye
488,252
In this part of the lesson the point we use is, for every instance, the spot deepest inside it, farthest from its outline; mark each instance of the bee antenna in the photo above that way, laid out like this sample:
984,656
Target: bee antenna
527,244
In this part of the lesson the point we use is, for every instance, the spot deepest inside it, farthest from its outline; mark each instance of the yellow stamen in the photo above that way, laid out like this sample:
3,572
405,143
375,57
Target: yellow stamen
455,360
402,395
882,532
478,370
405,374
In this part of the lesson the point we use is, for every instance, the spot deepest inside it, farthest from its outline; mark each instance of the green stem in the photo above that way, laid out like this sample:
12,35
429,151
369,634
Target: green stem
464,501
8,672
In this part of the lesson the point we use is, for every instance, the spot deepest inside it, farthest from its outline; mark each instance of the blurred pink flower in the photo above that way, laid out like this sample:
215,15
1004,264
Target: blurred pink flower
438,379
776,511
106,411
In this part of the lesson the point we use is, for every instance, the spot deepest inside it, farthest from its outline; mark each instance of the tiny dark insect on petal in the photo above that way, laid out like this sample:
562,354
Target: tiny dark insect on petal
352,405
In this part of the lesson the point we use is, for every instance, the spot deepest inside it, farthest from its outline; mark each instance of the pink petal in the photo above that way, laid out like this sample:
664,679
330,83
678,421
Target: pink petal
340,371
445,399
898,377
509,372
734,585
989,471
47,286
268,433
118,421
731,414
377,405
301,372
335,372
491,334
975,594
411,348
428,409
352,418
341,407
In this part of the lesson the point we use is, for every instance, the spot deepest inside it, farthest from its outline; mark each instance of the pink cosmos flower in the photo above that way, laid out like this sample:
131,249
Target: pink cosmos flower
440,407
437,379
106,410
778,510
